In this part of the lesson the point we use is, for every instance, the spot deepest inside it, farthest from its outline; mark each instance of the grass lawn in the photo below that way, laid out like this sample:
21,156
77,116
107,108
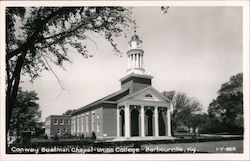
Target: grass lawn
234,146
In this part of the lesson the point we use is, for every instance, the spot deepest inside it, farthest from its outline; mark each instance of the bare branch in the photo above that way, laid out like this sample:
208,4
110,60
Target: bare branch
65,32
57,78
91,41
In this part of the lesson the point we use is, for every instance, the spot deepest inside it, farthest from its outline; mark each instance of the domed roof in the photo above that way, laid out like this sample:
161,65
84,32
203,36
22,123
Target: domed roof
135,37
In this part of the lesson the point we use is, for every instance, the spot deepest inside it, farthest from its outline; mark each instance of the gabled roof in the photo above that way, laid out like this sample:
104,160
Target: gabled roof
143,90
120,96
112,98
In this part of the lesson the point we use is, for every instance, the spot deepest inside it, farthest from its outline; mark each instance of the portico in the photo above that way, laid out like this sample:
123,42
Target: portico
143,118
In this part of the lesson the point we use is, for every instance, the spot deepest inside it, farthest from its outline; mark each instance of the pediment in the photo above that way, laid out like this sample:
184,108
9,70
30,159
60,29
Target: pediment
148,94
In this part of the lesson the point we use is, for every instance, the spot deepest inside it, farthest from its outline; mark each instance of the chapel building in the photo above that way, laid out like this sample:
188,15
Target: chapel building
136,110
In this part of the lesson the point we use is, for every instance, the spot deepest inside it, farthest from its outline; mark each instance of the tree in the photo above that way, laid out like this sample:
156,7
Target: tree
38,36
26,114
183,108
227,108
198,121
68,112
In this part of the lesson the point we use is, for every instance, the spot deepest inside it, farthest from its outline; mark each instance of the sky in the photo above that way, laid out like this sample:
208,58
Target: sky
189,49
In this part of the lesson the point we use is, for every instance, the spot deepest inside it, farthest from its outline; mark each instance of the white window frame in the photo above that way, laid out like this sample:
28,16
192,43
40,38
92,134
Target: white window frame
61,121
59,131
97,123
67,122
56,122
93,121
72,125
82,123
77,124
87,122
97,127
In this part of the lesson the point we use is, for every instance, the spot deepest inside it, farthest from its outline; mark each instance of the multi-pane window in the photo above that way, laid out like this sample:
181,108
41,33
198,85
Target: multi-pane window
97,125
55,122
93,121
61,122
65,131
67,122
87,122
72,125
82,123
78,124
58,131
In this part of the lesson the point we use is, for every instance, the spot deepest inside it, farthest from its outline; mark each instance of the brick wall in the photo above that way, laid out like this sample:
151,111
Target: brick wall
89,121
135,83
59,125
110,120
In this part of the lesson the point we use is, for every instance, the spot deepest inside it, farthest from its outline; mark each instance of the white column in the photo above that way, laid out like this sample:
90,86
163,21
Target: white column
133,60
156,121
128,61
169,121
141,61
142,122
118,122
138,61
127,121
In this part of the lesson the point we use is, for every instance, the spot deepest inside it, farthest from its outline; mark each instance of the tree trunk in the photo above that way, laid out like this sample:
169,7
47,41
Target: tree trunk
12,89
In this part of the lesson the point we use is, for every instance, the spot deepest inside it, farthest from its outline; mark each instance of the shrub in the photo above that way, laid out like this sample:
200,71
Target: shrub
66,135
93,135
56,138
82,136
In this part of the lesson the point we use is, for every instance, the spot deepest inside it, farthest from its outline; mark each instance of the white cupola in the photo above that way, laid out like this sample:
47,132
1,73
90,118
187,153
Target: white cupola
135,56
136,78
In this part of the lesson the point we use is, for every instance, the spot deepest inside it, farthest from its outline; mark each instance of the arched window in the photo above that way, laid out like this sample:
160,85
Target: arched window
149,96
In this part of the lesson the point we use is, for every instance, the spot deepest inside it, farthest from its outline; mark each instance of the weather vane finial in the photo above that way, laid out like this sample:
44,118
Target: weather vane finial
135,27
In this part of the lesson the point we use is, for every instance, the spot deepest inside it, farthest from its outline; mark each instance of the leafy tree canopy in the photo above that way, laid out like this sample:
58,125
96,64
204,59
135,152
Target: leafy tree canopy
68,112
227,108
45,34
26,114
38,36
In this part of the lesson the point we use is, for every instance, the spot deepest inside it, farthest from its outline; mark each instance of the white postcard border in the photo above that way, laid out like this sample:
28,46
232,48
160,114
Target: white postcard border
246,61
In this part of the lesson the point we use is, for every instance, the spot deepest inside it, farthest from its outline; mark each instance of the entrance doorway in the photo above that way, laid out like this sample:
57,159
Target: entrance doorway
149,123
162,123
134,122
122,123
